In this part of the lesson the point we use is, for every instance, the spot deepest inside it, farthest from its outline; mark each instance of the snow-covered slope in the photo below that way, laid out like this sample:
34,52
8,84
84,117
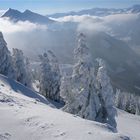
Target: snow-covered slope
23,117
10,86
128,124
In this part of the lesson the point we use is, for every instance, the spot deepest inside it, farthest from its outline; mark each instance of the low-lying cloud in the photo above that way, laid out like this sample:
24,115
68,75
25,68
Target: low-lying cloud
77,18
61,36
107,23
34,39
7,26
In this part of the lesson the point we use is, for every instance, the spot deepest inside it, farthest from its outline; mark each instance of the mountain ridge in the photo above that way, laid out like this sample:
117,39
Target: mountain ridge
28,15
99,11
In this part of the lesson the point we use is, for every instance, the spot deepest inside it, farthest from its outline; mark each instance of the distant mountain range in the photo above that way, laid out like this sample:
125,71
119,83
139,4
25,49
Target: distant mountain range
28,15
99,11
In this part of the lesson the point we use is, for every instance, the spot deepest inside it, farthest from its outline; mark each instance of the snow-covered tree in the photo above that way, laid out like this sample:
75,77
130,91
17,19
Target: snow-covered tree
82,99
56,75
137,106
53,62
105,91
88,93
29,71
21,68
49,85
46,76
128,102
65,88
82,52
6,67
120,99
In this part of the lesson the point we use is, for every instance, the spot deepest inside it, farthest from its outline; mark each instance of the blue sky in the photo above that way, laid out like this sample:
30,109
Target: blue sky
52,6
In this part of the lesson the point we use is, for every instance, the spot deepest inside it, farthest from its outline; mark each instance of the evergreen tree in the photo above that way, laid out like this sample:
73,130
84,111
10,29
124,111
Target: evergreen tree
82,98
29,72
105,91
6,67
22,73
128,102
56,76
49,85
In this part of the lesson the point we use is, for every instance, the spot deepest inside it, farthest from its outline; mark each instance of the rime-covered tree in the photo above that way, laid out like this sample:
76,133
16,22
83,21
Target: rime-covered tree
48,83
88,93
128,102
82,52
55,75
6,67
82,99
65,88
29,71
22,73
120,99
46,75
137,106
105,91
53,62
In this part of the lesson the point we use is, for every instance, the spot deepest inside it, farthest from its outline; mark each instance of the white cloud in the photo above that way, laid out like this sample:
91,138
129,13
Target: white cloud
107,23
6,26
86,23
120,18
77,18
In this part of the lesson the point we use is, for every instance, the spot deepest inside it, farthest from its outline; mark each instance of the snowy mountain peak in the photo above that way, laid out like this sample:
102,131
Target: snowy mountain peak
27,15
27,11
11,13
11,10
